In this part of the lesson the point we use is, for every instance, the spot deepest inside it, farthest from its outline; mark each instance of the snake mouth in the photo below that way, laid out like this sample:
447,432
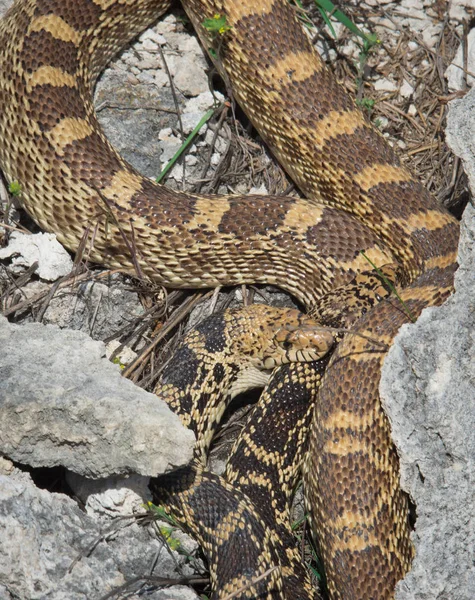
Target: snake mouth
305,343
295,355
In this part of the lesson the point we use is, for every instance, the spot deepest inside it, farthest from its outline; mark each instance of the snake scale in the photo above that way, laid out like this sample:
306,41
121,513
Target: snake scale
359,198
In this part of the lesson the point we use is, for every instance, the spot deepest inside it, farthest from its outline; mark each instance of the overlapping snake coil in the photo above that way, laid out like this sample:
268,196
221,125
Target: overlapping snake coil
360,197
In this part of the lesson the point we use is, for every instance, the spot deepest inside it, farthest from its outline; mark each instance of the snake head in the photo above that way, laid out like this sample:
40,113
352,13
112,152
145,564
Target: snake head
299,339
269,336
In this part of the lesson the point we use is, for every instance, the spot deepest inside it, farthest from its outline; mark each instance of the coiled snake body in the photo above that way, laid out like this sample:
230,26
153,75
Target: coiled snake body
360,197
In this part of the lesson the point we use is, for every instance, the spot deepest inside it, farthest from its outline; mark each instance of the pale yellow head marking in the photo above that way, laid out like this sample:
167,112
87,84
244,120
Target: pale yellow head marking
273,336
57,27
300,342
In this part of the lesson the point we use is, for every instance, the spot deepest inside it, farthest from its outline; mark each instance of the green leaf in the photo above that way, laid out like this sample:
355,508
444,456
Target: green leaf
14,188
167,533
328,8
217,25
406,308
160,513
206,117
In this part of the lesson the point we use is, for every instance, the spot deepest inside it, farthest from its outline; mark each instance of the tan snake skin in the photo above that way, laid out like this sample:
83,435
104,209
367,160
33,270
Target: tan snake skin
359,198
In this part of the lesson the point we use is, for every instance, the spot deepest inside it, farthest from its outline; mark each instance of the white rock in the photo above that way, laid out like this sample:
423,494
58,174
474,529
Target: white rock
113,495
124,357
161,79
44,535
191,160
461,9
169,144
430,35
191,45
385,85
406,90
351,49
130,58
149,44
71,405
384,25
454,73
215,159
25,249
167,24
259,191
190,120
146,77
149,61
154,36
190,76
202,102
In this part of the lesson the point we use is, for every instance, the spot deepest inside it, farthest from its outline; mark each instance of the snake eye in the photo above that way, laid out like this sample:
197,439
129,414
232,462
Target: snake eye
286,345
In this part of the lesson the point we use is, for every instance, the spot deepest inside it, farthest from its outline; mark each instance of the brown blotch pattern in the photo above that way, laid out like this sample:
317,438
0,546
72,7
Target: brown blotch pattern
40,48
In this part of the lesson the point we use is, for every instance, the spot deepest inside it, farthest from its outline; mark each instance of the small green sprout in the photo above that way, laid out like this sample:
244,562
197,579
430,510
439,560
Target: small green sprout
327,9
116,361
165,530
160,513
14,188
367,103
406,308
167,533
217,25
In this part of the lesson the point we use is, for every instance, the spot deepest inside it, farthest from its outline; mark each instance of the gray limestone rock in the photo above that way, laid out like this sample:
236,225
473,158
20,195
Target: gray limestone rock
460,132
24,250
428,388
63,403
51,550
100,308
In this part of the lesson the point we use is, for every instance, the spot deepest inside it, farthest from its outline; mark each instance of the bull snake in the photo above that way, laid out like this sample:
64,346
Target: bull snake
360,197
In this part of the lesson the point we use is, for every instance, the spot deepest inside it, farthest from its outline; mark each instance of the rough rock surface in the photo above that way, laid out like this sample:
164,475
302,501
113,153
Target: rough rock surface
51,550
428,386
64,403
135,102
23,250
460,132
99,307
455,73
